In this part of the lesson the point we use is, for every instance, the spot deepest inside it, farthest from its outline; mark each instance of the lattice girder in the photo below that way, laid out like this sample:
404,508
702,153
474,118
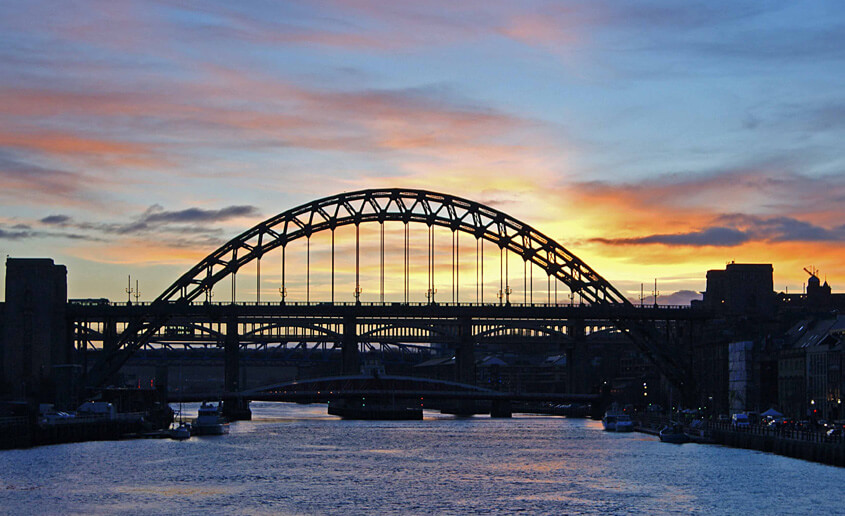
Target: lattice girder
395,205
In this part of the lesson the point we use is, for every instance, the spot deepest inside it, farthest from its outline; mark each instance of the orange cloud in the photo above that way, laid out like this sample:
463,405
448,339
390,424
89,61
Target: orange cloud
68,144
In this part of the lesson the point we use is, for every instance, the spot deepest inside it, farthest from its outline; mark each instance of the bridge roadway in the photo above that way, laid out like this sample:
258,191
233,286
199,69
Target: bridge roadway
387,323
382,388
323,397
431,311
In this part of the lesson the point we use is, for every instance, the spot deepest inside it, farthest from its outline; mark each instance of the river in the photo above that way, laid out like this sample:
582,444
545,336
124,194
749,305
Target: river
295,459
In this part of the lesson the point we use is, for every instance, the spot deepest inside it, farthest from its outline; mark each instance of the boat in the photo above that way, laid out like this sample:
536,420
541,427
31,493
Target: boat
210,420
609,421
180,433
624,423
673,433
617,422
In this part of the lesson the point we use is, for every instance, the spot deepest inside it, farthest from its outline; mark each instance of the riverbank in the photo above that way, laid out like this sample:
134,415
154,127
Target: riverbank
23,432
811,446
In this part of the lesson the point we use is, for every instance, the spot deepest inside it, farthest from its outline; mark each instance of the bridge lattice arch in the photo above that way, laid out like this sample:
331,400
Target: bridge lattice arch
380,206
399,205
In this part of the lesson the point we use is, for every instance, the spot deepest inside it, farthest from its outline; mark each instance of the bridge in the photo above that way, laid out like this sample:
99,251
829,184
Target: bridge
190,313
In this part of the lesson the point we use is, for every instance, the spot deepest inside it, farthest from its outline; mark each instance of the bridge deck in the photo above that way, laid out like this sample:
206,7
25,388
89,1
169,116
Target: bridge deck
417,310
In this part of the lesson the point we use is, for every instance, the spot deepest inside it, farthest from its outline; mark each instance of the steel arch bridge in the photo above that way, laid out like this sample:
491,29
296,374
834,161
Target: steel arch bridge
379,206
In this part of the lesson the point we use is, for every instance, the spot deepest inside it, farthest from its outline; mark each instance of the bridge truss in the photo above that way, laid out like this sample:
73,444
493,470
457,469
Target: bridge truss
410,207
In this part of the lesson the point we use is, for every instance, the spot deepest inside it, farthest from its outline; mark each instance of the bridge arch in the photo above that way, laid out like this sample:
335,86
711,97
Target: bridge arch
379,206
314,328
506,331
399,205
383,329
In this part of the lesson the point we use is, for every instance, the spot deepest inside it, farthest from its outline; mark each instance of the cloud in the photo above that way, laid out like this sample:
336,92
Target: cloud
778,44
57,220
17,177
715,236
21,232
190,228
14,235
784,229
742,229
155,215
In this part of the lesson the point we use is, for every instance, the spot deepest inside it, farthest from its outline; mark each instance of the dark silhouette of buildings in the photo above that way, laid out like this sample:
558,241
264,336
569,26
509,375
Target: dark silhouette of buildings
742,288
34,337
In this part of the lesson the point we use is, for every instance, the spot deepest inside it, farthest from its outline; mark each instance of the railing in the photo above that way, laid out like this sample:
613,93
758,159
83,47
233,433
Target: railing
812,436
386,303
13,421
125,417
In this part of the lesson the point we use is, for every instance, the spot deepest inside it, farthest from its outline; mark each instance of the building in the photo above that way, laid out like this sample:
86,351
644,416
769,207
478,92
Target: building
742,393
741,289
34,335
810,379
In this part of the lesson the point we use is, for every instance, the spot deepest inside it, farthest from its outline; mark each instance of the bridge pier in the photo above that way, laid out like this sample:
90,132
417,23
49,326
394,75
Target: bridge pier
465,353
575,358
234,409
350,359
109,336
464,367
500,408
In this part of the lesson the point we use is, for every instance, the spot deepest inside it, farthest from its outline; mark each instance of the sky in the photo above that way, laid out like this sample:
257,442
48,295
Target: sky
654,139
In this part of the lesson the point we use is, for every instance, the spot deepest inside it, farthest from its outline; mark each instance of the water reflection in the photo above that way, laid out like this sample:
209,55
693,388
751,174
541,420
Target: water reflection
295,459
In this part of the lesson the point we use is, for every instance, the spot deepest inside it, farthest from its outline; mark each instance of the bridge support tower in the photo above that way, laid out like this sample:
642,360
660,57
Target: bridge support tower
464,369
500,408
234,408
575,358
350,359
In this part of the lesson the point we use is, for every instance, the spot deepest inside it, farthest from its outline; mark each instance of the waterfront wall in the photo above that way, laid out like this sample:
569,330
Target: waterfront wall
813,446
23,432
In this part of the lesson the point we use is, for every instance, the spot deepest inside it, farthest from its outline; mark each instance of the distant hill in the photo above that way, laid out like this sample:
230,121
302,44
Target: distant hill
681,297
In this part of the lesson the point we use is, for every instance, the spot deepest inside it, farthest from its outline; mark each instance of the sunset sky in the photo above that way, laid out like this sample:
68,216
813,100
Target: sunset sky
654,139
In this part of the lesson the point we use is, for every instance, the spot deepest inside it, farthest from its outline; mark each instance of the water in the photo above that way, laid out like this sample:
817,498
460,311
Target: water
294,459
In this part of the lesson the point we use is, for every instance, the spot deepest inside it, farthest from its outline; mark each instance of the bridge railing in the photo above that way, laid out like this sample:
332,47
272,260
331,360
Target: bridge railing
388,303
813,436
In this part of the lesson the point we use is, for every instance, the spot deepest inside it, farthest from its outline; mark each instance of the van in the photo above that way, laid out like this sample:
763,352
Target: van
740,421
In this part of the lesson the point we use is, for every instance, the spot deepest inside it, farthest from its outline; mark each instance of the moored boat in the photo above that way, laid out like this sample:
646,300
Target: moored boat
609,421
674,434
624,423
180,433
210,420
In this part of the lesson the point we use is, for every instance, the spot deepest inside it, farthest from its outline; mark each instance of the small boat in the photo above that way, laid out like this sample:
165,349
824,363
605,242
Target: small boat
674,434
609,422
624,423
617,421
210,420
180,433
